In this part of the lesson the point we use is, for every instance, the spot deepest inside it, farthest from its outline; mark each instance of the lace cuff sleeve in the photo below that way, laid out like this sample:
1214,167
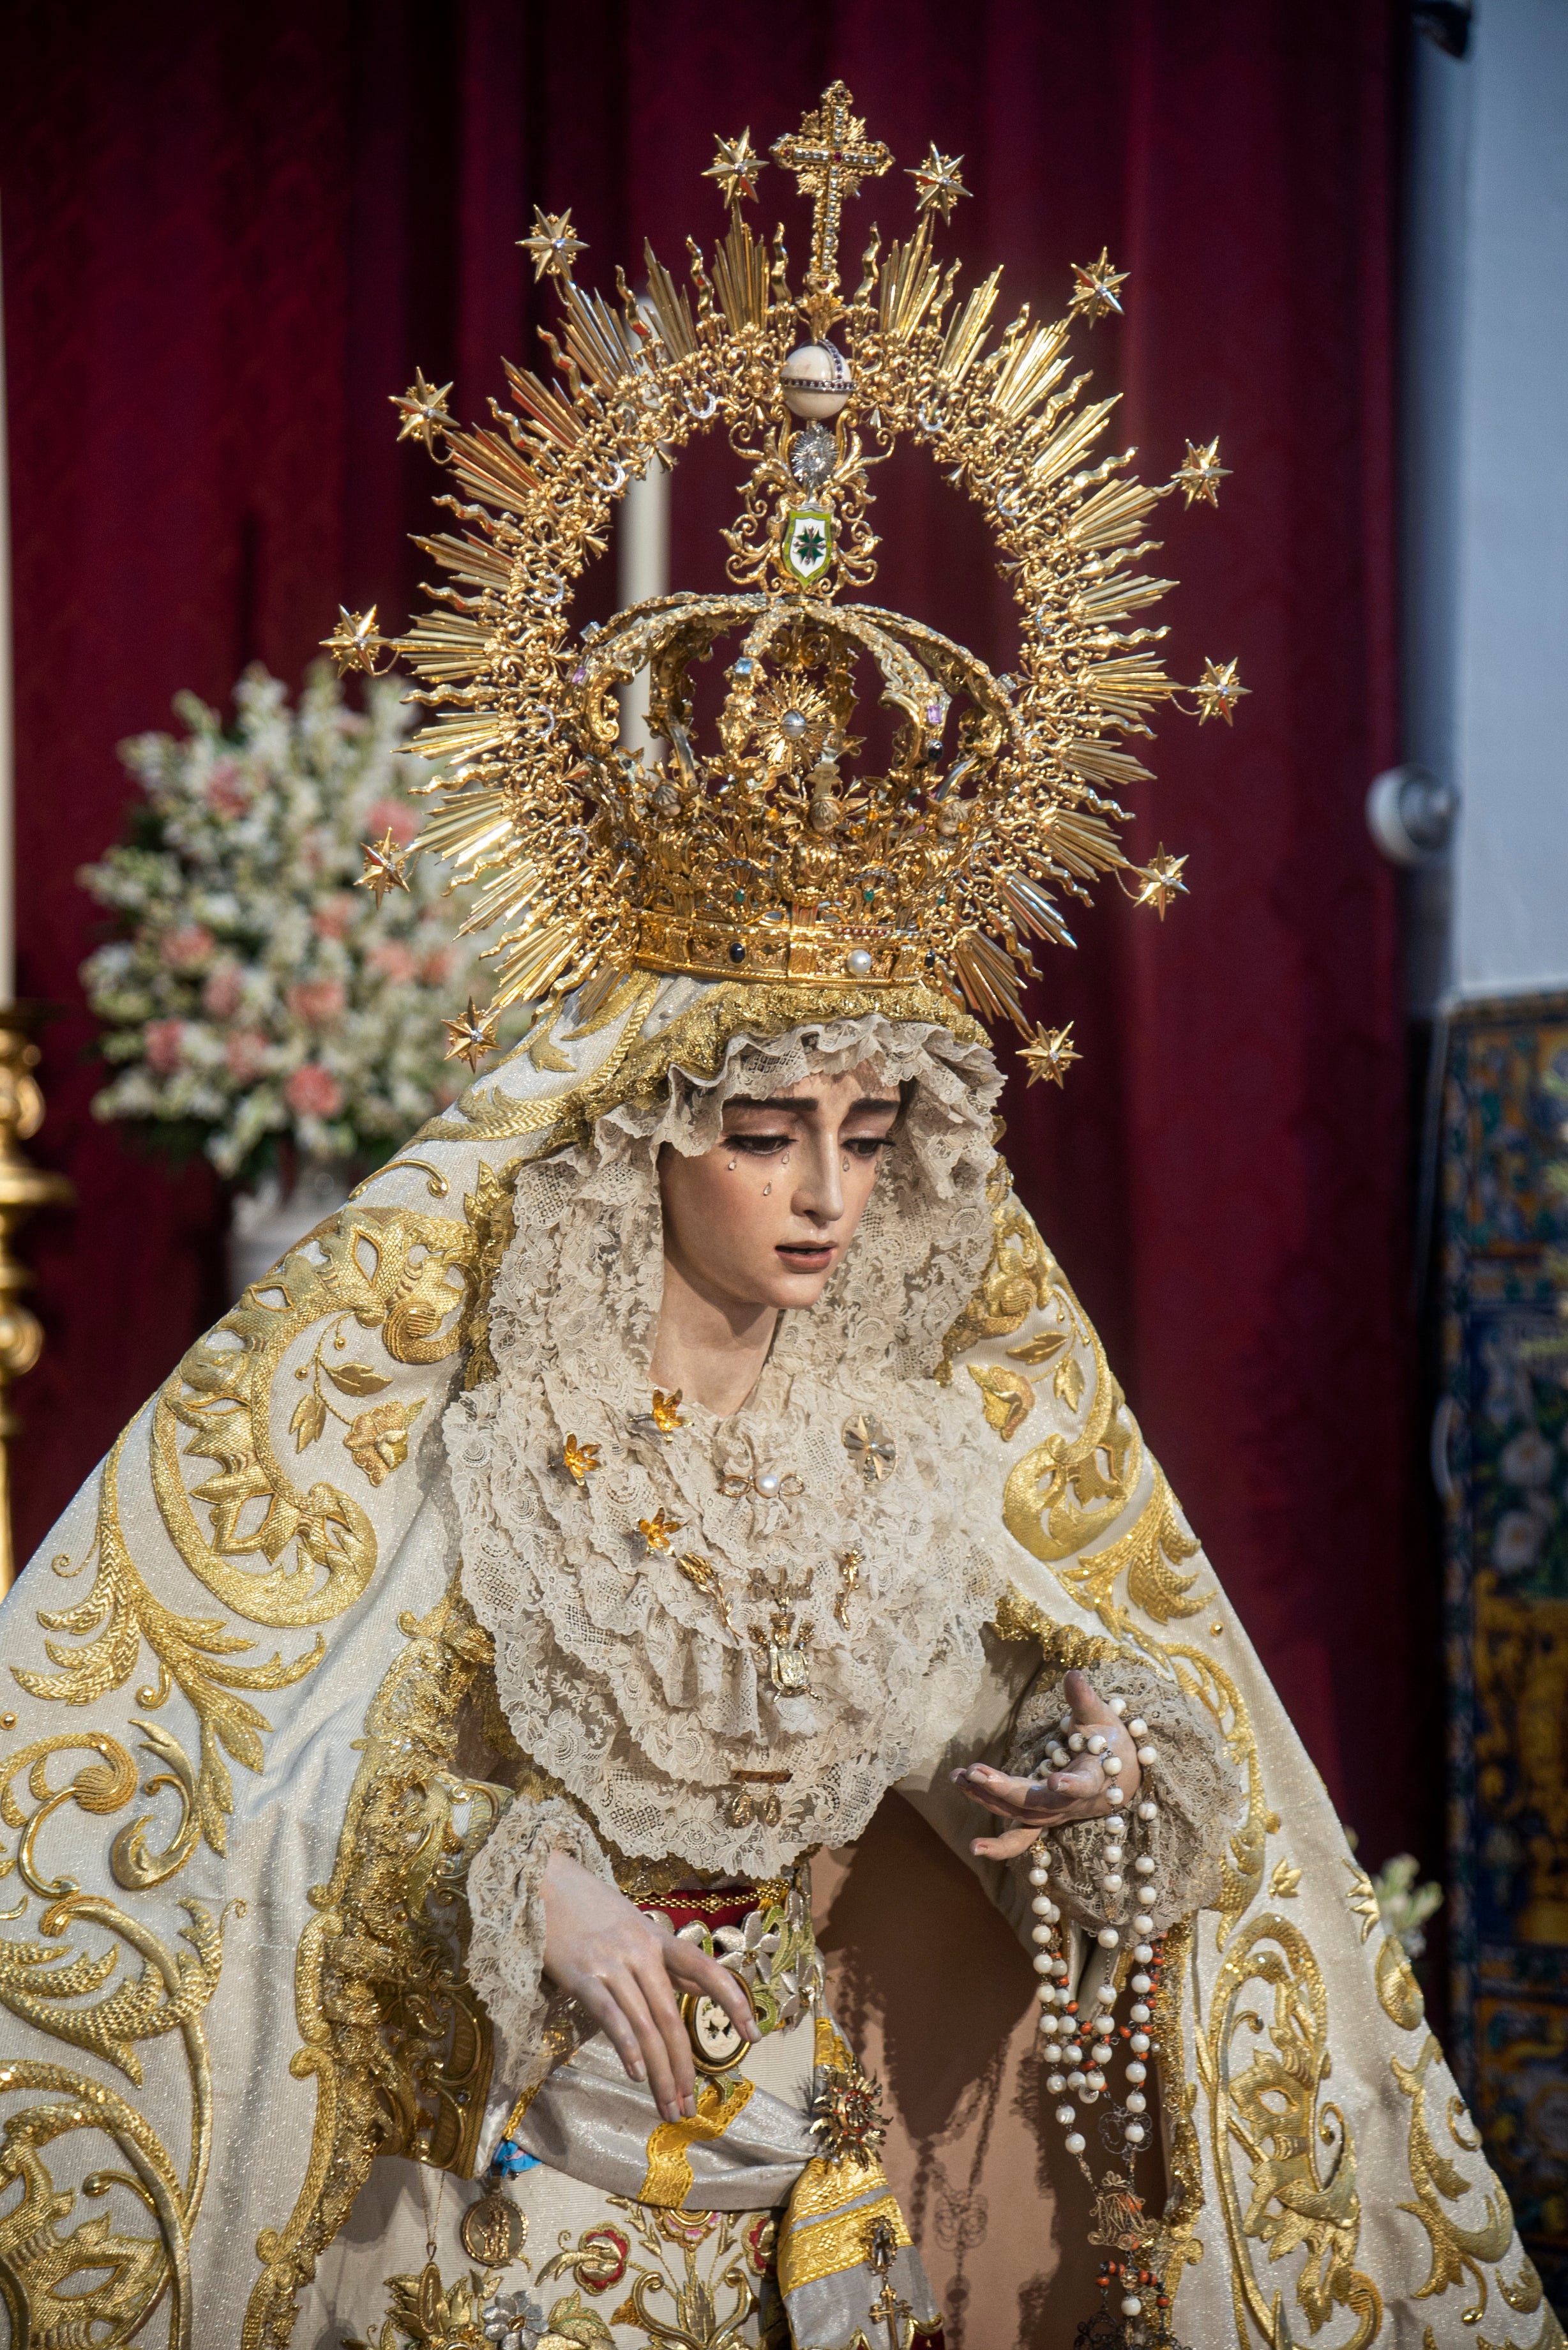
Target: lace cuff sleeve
506,1952
1196,1785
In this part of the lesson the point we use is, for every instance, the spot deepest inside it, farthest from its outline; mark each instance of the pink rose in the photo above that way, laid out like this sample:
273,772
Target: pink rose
222,990
227,789
246,1052
392,960
437,967
187,948
333,916
163,1043
395,817
313,1091
317,1002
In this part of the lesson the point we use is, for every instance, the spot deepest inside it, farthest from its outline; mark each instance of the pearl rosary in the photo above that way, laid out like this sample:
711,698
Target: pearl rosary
1077,2048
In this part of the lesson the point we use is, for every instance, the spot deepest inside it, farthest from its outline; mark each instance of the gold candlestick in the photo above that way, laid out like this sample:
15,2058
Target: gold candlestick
23,1187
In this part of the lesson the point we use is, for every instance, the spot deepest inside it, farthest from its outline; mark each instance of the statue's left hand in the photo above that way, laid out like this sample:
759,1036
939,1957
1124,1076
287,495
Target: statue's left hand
1083,1791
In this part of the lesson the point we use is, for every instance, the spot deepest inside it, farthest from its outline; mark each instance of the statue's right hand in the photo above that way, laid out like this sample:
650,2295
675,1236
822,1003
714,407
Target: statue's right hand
625,1970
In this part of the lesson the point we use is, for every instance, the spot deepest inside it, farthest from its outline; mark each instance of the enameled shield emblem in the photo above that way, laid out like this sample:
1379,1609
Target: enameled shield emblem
808,544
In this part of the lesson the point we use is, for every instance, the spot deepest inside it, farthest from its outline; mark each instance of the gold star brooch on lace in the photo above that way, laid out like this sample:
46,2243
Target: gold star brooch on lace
658,1532
579,1460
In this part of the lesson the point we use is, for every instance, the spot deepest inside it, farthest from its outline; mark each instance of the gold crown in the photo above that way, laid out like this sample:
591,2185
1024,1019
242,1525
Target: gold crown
762,852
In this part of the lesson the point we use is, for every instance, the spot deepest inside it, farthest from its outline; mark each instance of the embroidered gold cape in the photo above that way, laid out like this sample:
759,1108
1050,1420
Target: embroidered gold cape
237,1823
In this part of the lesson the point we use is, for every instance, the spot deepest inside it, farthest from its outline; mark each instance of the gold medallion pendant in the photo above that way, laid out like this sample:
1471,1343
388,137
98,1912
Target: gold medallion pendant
493,2231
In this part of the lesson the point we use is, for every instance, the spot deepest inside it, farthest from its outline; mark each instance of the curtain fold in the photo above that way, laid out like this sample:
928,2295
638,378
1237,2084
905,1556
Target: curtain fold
229,237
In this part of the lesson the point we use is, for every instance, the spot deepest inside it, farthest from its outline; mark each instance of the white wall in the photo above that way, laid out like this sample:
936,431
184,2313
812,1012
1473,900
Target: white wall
1487,483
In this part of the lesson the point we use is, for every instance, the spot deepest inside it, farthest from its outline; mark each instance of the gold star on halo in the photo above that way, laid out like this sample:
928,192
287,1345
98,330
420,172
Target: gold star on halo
554,245
579,1460
355,641
472,1037
666,1413
937,182
1160,882
1049,1054
424,410
659,1531
385,866
1095,292
1219,691
1200,474
735,168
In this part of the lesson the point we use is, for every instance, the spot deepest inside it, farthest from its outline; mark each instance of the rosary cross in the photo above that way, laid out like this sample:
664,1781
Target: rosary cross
830,155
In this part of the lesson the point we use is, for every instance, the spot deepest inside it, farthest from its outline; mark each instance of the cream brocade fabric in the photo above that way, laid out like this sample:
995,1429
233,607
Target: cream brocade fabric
242,1665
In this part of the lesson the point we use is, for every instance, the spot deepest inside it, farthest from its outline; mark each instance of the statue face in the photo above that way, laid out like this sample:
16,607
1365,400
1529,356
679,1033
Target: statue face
764,1218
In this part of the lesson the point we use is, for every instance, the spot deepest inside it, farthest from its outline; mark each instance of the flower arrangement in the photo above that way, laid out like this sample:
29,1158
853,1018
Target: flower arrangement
255,996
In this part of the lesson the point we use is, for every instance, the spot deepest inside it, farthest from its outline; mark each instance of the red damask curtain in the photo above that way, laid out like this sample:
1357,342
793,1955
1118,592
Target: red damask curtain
230,233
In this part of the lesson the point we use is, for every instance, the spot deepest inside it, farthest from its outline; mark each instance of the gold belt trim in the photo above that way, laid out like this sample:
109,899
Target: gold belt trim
669,2181
827,2226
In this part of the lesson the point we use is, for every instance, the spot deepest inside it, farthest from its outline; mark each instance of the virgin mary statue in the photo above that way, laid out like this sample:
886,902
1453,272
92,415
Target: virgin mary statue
423,1723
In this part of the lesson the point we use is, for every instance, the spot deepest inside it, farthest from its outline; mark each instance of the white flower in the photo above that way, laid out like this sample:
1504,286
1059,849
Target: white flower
256,842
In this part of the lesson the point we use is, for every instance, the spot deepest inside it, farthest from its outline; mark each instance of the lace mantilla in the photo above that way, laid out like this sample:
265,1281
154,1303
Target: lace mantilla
643,1690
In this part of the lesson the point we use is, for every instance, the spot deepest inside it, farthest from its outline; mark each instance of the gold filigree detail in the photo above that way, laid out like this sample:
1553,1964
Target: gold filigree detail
397,2044
999,796
1438,2180
1271,2109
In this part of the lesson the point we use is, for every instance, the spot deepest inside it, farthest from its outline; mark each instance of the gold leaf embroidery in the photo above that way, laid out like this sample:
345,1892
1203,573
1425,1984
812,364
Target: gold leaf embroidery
1068,1382
1148,1554
1038,1350
398,2044
358,1379
1438,2180
190,1650
1270,2110
1284,1882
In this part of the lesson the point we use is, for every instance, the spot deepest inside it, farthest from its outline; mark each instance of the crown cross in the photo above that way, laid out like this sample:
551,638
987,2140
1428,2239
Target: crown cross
830,155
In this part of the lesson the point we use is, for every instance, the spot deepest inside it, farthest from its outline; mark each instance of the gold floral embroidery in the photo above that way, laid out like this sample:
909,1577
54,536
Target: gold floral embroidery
378,1441
1270,2110
406,1277
1019,1279
398,2046
1438,2180
43,1979
1399,1992
191,1654
1148,1556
